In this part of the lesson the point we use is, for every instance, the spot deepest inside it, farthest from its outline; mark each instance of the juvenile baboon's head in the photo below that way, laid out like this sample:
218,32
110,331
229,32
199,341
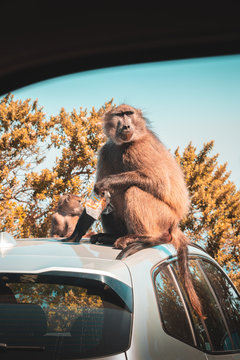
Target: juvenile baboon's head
70,204
124,124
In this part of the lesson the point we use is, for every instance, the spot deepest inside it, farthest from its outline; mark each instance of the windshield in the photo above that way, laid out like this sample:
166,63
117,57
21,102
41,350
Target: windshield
63,316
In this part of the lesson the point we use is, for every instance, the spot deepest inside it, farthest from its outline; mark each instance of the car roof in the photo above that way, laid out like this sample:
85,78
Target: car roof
42,255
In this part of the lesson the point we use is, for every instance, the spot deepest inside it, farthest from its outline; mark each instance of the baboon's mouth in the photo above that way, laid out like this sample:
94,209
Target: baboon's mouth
126,135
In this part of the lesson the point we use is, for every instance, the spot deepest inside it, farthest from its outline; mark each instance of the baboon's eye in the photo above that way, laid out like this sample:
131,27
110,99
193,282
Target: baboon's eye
128,113
119,114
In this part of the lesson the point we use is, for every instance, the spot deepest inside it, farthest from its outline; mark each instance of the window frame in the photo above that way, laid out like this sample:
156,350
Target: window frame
197,258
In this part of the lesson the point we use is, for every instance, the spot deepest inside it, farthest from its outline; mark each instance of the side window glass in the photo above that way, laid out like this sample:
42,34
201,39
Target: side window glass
202,337
211,332
214,323
220,331
229,301
171,308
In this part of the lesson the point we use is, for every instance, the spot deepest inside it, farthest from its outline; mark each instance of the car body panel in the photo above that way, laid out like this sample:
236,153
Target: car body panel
148,340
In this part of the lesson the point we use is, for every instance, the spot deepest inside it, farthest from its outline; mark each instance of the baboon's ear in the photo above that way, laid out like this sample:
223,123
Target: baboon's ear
106,114
68,196
60,201
139,113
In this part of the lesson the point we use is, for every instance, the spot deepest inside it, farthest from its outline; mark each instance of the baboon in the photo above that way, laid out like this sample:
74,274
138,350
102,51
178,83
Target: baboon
147,187
64,220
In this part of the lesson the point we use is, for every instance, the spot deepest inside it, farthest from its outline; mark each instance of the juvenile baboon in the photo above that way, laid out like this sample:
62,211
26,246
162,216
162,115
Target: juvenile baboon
64,220
147,188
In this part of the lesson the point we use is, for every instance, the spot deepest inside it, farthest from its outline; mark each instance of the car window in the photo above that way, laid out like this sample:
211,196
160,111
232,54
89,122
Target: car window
70,317
202,338
220,331
214,325
229,300
171,306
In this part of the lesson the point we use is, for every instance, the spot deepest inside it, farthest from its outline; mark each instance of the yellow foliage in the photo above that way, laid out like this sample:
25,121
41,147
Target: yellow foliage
26,137
213,220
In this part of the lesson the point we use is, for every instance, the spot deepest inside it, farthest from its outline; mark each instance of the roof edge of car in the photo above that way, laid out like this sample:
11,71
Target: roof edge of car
197,246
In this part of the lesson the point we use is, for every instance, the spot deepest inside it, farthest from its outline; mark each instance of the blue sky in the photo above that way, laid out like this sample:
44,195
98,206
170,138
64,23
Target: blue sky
194,100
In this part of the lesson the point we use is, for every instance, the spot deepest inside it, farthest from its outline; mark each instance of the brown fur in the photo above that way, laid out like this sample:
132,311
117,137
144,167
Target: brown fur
64,220
147,190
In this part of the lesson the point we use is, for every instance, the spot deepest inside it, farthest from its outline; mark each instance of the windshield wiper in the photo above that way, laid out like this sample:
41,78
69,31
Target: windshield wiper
4,346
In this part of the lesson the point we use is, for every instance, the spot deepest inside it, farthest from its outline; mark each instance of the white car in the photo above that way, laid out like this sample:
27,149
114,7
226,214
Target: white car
76,301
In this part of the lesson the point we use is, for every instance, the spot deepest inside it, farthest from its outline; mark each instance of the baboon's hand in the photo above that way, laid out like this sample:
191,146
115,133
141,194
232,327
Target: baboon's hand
69,239
122,242
101,186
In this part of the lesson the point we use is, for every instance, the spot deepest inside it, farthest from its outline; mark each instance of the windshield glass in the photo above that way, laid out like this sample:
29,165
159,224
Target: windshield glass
60,315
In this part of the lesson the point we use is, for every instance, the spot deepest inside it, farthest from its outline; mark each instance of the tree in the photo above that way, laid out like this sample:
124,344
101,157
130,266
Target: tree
214,217
79,137
27,197
23,135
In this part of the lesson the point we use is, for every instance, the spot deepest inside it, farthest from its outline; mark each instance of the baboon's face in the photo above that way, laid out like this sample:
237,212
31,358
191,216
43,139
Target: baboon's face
124,124
71,204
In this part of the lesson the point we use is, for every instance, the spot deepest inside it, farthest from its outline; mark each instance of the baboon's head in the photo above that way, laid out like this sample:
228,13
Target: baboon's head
124,124
70,204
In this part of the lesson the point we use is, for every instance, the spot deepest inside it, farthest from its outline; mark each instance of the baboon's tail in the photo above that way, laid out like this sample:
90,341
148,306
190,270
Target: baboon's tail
181,242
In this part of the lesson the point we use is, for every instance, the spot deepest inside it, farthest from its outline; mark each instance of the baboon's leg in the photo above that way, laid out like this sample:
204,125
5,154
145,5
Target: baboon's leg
148,220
